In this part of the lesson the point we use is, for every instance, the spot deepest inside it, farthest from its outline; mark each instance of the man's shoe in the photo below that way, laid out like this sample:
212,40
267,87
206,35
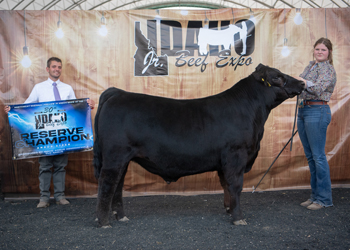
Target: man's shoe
63,202
315,206
306,203
43,204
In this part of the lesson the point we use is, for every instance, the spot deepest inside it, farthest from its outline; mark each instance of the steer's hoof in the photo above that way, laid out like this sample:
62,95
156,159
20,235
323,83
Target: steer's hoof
240,223
124,219
107,226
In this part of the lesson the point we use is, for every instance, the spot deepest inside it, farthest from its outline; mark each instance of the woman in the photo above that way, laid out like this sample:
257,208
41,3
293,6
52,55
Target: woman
314,116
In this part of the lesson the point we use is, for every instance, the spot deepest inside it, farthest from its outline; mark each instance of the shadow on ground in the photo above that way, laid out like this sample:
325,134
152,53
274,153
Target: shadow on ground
275,221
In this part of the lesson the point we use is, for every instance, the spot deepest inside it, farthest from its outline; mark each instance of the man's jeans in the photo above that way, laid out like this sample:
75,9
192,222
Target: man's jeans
313,121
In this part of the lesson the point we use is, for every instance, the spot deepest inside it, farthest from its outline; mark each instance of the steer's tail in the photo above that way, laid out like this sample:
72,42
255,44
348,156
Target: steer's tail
97,144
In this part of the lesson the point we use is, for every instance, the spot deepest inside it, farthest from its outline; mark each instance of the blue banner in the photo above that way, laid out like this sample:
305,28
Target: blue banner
50,128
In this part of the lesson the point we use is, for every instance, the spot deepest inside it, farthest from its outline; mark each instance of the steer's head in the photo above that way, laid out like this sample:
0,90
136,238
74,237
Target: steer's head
285,85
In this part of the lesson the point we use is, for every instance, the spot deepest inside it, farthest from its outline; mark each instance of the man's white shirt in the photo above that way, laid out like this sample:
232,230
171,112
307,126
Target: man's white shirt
43,92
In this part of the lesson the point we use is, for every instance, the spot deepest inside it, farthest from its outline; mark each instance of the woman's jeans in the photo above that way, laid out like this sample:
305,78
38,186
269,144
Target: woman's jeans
313,121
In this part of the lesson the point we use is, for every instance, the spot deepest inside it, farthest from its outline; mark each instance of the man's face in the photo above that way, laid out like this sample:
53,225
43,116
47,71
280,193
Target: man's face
54,70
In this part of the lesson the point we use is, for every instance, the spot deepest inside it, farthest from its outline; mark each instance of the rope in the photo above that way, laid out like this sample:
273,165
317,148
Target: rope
274,161
295,118
290,140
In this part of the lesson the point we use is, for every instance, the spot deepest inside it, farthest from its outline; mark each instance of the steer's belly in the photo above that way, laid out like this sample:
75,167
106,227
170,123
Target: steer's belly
171,169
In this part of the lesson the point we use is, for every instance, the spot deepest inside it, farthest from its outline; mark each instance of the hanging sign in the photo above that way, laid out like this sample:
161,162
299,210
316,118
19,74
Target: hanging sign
50,128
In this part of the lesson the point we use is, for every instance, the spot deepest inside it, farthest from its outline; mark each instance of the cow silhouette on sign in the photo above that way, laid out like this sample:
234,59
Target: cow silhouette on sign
222,37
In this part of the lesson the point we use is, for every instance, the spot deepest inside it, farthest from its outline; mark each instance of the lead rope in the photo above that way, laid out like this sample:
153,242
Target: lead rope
295,119
291,143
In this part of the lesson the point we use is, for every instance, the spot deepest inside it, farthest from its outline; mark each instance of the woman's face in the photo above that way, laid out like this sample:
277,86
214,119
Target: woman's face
321,53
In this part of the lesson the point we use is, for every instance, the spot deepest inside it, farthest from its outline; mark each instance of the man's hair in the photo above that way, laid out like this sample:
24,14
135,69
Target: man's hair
56,59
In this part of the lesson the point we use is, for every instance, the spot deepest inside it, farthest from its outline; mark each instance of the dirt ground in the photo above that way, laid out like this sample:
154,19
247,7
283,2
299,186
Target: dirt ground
275,221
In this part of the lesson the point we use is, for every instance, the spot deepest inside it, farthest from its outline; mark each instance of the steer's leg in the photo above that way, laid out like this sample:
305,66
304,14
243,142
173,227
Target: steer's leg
235,189
227,196
117,203
233,170
106,188
107,184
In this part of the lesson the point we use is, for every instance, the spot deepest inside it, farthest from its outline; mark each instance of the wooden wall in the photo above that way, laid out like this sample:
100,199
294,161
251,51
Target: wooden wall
92,63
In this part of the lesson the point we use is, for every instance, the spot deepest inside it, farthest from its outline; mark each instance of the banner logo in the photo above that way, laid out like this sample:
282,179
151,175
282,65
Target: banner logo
49,118
208,41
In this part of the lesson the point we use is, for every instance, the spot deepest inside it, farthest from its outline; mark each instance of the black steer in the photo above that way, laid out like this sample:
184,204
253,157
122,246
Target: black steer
175,138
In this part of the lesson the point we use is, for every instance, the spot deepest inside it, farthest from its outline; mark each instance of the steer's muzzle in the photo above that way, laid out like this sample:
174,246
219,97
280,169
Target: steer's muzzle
294,87
303,85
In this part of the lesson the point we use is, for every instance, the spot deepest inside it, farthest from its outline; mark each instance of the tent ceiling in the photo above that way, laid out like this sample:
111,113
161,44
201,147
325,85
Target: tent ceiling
158,4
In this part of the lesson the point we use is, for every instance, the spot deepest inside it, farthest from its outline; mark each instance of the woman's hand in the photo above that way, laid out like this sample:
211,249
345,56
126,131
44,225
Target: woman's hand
300,79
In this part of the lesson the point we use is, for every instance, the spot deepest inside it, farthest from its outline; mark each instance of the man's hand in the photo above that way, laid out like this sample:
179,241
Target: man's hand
7,109
91,103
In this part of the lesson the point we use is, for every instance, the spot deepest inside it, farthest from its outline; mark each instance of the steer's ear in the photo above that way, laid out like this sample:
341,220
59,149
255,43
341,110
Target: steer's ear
259,73
260,67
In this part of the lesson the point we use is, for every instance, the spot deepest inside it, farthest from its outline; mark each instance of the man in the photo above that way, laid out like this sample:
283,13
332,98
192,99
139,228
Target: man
50,90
